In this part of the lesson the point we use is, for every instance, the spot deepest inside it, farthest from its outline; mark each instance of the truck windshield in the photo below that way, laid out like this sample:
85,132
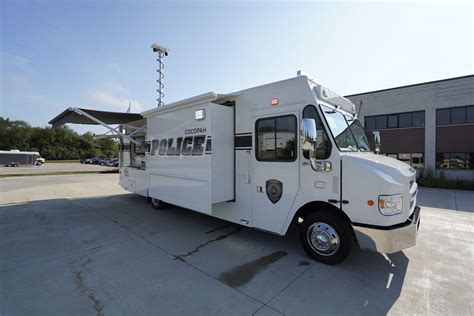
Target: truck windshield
347,131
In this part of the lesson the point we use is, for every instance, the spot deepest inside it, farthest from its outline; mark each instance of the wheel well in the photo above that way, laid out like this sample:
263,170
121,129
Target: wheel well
317,206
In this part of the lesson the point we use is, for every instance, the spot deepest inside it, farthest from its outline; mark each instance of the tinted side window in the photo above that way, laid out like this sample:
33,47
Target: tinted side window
369,123
442,160
285,138
418,119
323,146
443,116
457,161
276,138
470,114
470,161
404,120
380,122
458,115
392,121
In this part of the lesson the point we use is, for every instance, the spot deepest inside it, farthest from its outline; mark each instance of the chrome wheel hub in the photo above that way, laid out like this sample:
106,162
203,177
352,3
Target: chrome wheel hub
323,239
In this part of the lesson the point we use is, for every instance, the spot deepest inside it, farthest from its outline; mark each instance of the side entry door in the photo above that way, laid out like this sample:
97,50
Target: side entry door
275,169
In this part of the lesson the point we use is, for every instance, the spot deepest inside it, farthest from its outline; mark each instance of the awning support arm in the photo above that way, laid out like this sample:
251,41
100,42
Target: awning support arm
113,130
137,130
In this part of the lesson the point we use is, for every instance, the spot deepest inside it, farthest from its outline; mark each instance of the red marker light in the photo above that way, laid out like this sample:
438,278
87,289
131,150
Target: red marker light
274,102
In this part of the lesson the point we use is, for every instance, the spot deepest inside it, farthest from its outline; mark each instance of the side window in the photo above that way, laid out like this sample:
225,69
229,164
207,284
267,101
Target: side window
276,138
370,123
323,147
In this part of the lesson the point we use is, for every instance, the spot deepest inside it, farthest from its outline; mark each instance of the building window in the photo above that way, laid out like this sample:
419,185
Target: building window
392,121
276,138
470,114
323,146
381,122
406,158
416,160
443,117
370,123
458,161
418,119
399,120
457,115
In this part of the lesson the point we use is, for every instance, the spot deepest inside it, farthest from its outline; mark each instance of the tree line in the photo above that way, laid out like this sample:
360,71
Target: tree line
53,144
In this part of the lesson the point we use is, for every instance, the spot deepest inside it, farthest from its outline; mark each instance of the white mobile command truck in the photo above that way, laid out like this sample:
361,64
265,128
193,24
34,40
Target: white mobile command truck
287,152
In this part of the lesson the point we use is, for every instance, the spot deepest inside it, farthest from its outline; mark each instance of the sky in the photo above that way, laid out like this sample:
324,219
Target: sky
96,54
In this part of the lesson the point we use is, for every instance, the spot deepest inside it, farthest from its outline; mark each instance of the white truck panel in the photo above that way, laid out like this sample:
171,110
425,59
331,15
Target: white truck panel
193,179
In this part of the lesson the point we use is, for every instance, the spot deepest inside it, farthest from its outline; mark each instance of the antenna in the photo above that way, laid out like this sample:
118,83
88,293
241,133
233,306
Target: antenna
360,108
162,51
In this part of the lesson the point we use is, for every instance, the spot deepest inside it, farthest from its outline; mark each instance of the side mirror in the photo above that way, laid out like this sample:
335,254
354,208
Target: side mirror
377,142
308,136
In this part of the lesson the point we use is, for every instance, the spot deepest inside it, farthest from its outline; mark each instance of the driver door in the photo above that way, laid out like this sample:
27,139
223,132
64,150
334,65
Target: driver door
322,183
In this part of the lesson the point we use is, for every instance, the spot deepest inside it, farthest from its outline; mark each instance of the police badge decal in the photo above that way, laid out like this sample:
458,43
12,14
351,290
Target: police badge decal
274,190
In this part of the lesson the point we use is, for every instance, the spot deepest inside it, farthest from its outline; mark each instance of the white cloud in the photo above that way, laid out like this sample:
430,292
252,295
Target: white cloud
113,96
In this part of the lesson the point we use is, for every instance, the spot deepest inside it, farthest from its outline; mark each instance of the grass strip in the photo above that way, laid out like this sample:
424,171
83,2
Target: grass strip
61,173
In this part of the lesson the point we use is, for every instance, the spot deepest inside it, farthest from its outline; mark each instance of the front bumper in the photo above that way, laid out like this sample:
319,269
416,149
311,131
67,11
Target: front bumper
389,239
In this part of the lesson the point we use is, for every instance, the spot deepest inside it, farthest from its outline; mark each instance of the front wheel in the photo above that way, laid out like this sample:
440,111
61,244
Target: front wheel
157,204
326,237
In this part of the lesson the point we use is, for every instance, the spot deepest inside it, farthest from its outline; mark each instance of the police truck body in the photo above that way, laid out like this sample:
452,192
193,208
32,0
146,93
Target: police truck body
289,152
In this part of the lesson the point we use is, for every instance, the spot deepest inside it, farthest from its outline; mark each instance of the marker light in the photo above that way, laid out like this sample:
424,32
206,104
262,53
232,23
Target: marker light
370,202
200,115
274,102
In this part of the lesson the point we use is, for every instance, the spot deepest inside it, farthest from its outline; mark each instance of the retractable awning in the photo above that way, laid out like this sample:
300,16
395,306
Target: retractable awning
106,119
93,117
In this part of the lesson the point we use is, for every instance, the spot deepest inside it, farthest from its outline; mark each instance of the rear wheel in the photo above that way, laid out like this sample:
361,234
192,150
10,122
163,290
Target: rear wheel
326,237
157,204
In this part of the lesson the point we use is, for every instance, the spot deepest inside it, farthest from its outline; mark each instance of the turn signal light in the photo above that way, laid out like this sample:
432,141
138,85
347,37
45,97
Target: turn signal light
370,202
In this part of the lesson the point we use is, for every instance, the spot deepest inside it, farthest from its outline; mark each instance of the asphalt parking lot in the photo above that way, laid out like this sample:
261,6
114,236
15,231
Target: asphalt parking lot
82,245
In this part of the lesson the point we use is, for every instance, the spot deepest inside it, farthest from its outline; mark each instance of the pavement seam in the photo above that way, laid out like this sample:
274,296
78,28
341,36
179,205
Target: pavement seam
169,253
281,291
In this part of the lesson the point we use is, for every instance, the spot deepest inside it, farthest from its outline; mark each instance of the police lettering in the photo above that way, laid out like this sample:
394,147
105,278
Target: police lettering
186,146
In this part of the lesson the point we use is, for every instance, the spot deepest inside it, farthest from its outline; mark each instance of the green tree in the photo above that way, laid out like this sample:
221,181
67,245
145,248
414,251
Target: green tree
53,144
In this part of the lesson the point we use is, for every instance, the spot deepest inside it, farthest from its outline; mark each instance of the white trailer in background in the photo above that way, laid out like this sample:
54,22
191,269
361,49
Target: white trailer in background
266,157
15,158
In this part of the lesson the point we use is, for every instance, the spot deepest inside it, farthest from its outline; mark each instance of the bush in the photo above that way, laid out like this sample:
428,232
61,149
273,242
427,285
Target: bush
429,179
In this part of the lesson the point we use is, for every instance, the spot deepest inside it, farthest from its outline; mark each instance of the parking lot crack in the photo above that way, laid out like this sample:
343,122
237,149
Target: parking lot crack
198,247
80,283
218,228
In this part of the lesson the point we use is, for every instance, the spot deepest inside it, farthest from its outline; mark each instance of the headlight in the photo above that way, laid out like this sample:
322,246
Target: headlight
390,204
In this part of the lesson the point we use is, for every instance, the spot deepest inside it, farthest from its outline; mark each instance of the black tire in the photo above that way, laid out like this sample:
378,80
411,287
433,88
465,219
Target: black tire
326,223
157,204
